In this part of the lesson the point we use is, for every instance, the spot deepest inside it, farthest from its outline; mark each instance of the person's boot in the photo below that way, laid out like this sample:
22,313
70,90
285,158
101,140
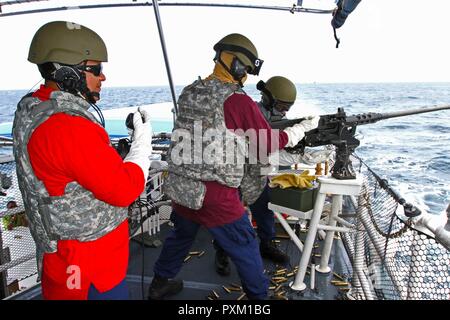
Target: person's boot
163,287
222,263
269,250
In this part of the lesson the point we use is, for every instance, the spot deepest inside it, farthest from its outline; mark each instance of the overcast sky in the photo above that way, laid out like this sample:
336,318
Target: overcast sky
382,41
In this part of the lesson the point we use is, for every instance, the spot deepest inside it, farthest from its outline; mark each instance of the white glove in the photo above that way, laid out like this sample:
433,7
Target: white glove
297,131
141,146
159,165
284,158
310,157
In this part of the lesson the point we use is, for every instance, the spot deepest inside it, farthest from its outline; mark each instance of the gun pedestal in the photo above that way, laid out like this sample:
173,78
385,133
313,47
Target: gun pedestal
337,188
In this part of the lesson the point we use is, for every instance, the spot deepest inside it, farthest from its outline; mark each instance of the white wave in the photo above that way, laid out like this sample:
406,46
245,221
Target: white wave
412,195
302,108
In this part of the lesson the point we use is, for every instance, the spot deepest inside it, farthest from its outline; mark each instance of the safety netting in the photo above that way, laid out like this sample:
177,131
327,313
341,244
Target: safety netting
17,247
391,259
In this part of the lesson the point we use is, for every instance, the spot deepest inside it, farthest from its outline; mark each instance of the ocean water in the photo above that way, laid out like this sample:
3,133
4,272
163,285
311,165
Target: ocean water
412,152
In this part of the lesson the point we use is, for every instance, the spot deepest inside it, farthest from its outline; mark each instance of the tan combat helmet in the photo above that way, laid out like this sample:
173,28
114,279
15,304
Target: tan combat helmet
282,89
278,92
243,49
67,43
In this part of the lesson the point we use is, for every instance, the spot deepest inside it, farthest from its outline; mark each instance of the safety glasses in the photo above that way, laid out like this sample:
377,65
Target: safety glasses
95,69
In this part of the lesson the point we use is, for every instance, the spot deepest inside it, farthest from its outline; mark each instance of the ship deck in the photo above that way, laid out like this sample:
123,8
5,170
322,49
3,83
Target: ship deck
200,278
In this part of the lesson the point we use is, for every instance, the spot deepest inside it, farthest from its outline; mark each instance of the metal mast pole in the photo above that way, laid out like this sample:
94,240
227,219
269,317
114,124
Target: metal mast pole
166,58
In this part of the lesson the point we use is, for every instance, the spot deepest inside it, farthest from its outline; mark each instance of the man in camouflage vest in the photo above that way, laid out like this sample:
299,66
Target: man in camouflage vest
75,186
216,114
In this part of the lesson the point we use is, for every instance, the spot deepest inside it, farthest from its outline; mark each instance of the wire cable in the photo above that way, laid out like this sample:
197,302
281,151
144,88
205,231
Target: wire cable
100,114
34,85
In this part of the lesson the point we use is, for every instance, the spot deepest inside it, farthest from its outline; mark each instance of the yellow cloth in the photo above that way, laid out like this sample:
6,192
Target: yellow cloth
302,181
220,72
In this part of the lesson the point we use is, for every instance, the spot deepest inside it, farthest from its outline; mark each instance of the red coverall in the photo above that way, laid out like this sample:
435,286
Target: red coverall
68,148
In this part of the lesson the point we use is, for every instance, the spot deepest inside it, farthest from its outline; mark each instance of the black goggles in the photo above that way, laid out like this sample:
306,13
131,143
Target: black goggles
257,63
95,69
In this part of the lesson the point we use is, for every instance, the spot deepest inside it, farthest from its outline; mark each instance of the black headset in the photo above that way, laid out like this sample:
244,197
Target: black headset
71,79
261,86
68,78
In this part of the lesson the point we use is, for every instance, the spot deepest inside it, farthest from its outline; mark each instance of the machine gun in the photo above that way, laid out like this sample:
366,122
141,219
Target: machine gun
339,130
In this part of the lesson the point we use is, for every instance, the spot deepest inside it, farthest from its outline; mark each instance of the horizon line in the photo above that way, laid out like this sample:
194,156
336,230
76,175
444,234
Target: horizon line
251,83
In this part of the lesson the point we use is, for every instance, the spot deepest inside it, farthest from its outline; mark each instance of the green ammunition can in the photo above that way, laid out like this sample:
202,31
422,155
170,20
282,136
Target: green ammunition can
294,198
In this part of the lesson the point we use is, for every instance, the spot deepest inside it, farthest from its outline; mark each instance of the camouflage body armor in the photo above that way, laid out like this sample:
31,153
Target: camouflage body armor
255,177
202,103
266,113
77,215
253,182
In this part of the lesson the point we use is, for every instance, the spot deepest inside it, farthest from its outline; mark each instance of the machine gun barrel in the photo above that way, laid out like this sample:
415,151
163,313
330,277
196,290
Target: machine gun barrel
357,119
366,118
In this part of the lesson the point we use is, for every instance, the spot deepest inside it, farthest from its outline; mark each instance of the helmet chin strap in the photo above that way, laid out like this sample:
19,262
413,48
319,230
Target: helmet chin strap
267,100
95,95
89,95
238,79
276,112
269,107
